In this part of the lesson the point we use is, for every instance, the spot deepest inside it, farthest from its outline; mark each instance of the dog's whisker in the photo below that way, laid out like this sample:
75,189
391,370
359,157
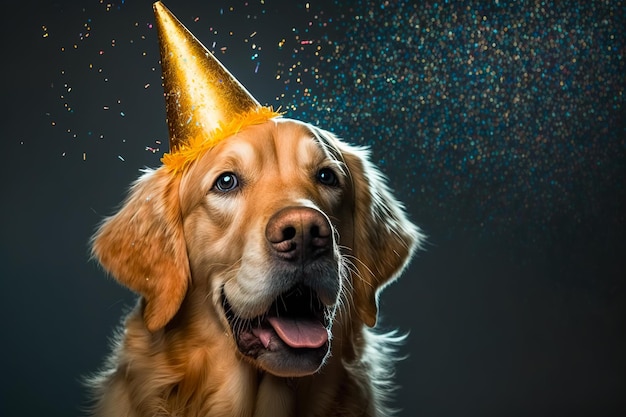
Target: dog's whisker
358,275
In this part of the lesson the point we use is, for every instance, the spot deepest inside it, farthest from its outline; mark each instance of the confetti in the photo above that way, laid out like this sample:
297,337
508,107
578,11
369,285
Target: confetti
509,112
506,112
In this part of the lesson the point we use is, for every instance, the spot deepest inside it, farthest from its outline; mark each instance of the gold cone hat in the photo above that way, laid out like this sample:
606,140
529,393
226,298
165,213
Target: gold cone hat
204,102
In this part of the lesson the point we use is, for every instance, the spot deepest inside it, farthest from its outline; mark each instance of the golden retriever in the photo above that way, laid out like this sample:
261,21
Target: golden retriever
259,268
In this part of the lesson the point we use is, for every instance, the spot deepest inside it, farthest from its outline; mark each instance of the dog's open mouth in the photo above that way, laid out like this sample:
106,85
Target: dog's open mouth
291,338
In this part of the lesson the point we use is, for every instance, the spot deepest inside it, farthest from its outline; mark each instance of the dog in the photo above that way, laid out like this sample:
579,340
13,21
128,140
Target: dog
258,270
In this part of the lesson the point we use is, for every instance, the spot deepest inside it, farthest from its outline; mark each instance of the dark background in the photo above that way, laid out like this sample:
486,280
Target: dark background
501,127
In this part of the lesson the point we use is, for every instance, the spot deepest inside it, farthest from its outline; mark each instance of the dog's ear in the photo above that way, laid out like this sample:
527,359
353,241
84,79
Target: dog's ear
143,246
384,238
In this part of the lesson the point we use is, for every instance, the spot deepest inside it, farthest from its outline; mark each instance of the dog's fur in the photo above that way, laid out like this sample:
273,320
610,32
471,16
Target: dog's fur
209,267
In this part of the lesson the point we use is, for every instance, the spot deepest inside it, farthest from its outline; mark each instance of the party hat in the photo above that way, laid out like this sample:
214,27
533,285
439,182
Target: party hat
204,102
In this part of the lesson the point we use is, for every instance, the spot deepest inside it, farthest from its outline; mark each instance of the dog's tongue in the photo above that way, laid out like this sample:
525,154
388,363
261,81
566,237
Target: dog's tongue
300,333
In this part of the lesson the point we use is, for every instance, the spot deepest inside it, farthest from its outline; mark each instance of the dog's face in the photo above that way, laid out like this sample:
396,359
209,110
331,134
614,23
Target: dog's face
262,219
268,233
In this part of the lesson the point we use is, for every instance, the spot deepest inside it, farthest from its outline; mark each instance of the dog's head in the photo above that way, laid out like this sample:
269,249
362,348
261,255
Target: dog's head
270,233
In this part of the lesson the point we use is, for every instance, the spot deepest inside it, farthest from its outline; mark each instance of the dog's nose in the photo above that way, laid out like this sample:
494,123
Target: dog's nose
299,233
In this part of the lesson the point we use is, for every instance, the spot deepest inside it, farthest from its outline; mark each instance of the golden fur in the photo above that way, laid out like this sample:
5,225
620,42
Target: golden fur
199,258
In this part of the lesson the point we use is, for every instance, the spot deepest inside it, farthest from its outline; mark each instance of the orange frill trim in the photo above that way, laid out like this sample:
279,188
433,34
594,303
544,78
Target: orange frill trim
196,146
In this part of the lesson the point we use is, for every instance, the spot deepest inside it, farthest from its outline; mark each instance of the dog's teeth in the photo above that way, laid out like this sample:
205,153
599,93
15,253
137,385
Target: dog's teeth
264,335
266,339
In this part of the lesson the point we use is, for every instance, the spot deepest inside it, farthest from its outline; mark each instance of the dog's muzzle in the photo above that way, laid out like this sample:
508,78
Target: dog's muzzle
292,337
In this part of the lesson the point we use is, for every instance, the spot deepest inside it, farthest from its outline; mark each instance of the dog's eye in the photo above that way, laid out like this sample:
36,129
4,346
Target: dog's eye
327,177
226,182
